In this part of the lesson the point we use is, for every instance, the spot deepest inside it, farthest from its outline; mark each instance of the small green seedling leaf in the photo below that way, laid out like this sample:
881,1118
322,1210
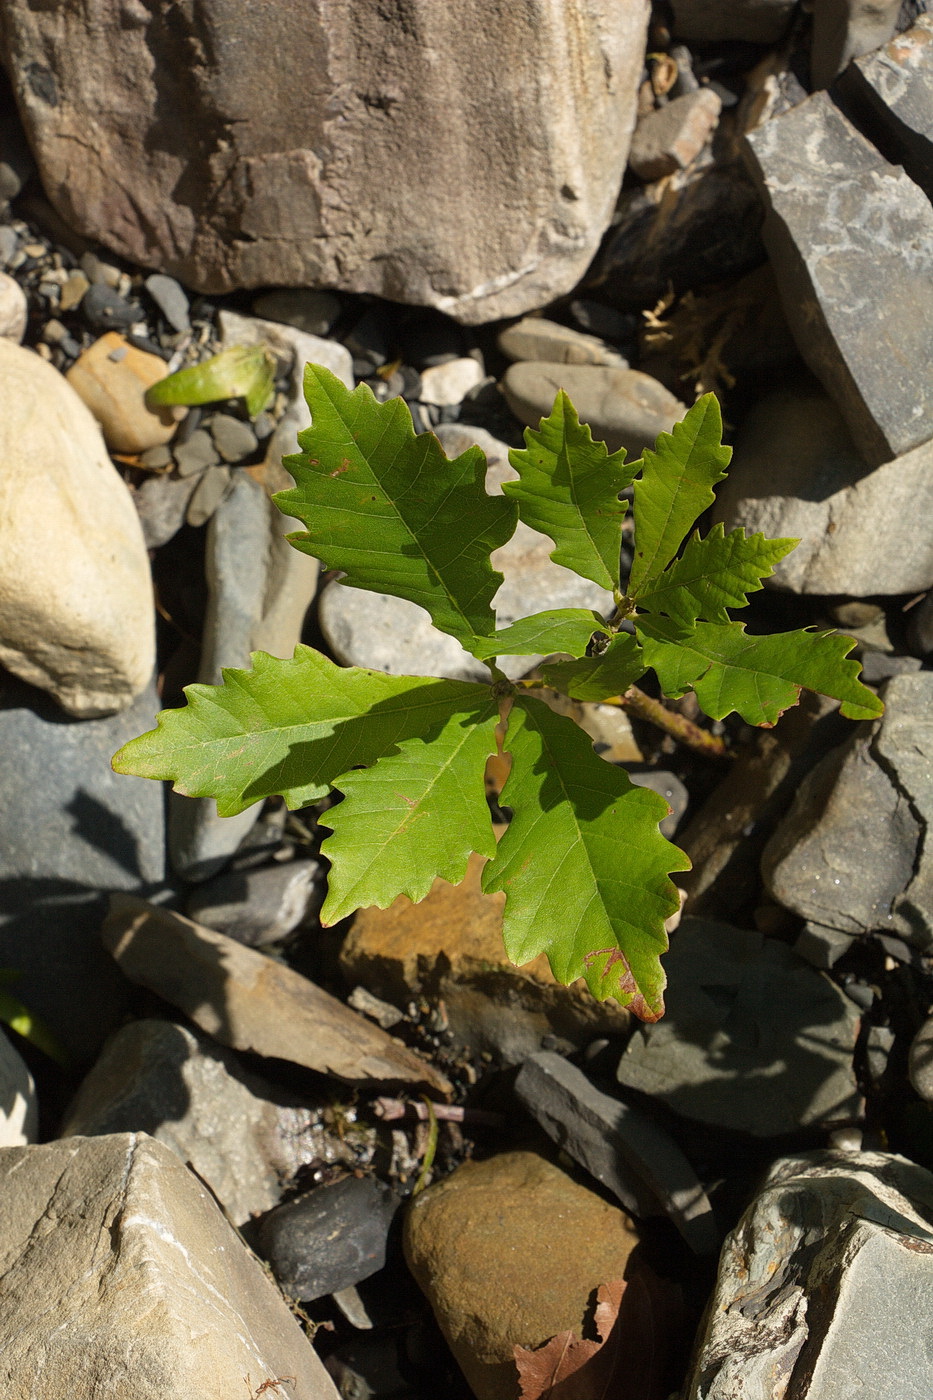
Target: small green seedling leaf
564,629
675,487
713,574
414,816
569,490
26,1023
599,677
582,863
391,511
757,677
243,371
286,727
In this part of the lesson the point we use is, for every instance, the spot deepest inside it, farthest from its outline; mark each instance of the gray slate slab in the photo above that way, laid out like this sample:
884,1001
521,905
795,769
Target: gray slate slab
619,1145
825,1286
894,87
851,241
754,1039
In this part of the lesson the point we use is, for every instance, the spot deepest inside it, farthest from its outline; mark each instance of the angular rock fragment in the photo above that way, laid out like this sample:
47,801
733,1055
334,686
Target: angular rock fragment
121,1277
851,241
246,1000
672,136
617,1144
853,852
754,1039
821,1285
894,89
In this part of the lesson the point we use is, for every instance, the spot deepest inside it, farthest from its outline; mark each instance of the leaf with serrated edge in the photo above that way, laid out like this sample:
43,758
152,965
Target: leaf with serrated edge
392,511
757,677
675,487
599,677
562,629
582,863
713,574
413,816
569,490
286,727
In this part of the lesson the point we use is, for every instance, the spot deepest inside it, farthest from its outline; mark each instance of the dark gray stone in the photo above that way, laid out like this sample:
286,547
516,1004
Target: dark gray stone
233,438
196,453
330,1239
162,502
821,1285
851,241
309,311
852,853
70,830
894,88
753,1039
242,1137
618,1145
105,310
258,906
822,946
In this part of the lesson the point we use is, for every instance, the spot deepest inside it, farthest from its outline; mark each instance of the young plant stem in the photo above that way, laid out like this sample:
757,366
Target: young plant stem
636,702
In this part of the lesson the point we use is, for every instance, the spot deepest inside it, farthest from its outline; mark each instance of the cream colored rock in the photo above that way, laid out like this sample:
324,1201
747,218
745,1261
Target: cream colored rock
76,609
121,1278
19,1111
112,378
13,309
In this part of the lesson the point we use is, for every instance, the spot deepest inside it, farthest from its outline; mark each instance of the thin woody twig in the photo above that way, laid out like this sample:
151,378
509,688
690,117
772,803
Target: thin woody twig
636,702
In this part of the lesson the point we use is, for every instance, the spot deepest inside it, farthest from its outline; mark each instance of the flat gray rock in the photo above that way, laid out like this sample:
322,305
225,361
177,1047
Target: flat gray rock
70,830
617,1144
536,338
851,241
258,906
796,474
121,1277
821,1285
189,1093
852,852
624,407
895,87
754,1039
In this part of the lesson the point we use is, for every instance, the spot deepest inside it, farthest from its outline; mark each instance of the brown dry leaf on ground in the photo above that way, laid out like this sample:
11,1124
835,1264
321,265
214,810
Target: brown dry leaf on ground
635,1322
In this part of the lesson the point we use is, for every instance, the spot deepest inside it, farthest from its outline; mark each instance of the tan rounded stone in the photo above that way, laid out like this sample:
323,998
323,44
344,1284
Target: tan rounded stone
509,1252
76,608
112,378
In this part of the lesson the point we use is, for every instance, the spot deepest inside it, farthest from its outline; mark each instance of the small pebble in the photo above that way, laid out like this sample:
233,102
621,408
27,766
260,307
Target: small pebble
449,383
207,495
156,459
73,291
100,273
197,453
104,309
169,296
233,438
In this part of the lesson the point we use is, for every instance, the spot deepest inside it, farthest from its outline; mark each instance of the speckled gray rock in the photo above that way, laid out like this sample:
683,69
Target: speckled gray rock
624,407
712,21
821,1284
753,1038
894,87
851,241
184,1089
852,852
272,152
330,1239
120,1276
70,830
796,474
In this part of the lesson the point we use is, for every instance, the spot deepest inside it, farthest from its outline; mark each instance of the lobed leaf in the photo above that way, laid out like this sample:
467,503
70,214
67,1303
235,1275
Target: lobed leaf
583,865
569,490
758,677
675,487
562,629
392,511
714,574
414,815
599,677
287,727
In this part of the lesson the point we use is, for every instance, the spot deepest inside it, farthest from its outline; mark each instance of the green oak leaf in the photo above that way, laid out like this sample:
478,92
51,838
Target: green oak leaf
599,677
562,629
286,727
757,677
713,574
392,511
569,490
413,816
582,864
675,487
242,371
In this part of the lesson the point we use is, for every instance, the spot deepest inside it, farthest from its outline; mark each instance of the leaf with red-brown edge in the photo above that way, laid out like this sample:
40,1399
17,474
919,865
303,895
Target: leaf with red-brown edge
565,1368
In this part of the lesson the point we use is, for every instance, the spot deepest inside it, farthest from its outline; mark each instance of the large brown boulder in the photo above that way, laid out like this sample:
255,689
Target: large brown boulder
463,157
